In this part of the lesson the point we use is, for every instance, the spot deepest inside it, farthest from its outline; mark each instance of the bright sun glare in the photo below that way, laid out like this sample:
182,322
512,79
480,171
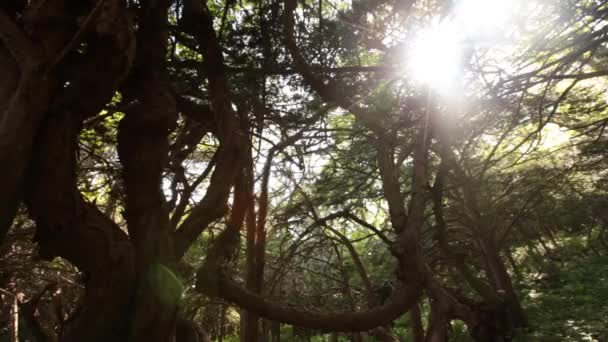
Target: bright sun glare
438,50
436,56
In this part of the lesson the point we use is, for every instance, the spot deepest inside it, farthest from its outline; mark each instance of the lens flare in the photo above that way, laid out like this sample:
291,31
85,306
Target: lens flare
436,56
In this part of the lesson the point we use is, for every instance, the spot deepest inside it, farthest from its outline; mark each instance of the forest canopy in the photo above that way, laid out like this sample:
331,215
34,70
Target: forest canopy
298,170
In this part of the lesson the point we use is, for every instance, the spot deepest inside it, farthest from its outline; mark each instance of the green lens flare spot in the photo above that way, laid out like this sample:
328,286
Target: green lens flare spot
168,287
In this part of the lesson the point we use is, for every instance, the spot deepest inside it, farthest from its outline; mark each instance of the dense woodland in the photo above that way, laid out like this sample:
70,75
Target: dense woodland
303,170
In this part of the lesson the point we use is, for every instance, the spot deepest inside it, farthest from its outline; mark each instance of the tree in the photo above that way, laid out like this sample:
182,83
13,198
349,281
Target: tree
189,158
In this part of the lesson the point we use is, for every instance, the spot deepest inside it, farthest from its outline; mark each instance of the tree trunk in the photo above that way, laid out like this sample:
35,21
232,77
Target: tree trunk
437,330
143,149
249,320
15,319
503,284
222,330
186,331
69,227
25,96
275,331
255,248
416,322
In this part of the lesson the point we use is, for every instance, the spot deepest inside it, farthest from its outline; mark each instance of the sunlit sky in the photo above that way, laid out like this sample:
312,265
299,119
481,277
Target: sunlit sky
441,48
438,55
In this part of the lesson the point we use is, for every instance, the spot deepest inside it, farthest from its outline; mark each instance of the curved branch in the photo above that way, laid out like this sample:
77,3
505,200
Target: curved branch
198,21
369,226
69,227
401,302
329,94
356,261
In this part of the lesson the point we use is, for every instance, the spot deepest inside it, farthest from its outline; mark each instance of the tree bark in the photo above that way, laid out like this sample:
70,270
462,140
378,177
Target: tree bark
437,330
253,279
275,331
504,285
24,97
143,149
416,322
15,319
69,227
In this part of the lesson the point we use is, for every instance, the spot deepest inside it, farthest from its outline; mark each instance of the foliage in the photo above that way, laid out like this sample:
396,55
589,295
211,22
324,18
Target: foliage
212,161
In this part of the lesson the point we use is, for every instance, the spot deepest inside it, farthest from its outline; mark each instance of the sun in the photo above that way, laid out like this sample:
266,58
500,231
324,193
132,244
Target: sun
437,55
